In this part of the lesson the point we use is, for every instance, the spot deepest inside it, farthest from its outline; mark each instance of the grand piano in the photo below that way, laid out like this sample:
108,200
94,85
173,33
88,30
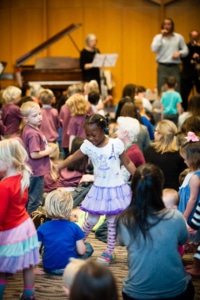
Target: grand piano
55,73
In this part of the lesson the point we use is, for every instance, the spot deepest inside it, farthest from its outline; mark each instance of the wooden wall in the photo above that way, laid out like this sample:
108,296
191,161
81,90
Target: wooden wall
125,27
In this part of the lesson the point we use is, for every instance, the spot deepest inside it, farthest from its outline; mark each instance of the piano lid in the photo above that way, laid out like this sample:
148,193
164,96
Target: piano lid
47,43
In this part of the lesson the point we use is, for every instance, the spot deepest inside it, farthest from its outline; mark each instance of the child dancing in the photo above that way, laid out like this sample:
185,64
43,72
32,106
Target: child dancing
109,195
18,238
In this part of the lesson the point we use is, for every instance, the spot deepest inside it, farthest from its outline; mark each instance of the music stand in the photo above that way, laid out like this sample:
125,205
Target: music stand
104,60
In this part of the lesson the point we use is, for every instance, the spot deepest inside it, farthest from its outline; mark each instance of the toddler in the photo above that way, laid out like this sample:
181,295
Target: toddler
60,237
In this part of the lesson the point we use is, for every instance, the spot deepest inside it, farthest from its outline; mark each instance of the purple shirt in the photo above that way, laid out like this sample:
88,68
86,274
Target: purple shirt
2,129
69,178
76,126
49,183
50,123
11,117
64,117
35,141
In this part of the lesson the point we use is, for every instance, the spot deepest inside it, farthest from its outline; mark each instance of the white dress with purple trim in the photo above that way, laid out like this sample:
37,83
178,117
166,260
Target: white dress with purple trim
109,195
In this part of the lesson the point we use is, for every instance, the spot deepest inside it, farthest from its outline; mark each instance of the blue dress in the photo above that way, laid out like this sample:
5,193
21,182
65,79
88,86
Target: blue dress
184,193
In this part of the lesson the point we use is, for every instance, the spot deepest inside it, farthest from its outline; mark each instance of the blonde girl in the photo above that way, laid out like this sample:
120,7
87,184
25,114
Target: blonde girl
79,108
164,153
18,240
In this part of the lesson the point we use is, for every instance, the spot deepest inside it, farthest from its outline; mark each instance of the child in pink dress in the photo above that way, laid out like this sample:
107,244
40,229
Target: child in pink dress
19,249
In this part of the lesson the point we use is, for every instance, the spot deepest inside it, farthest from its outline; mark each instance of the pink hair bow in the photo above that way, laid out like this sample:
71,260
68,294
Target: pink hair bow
191,137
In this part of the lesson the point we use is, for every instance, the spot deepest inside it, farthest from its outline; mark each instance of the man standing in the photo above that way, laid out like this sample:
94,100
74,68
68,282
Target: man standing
170,47
190,75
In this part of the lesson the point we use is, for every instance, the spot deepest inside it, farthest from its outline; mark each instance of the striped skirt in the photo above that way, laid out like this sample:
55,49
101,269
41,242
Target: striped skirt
19,248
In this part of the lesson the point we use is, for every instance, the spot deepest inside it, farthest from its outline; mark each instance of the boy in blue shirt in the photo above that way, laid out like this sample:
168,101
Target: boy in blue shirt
171,101
61,238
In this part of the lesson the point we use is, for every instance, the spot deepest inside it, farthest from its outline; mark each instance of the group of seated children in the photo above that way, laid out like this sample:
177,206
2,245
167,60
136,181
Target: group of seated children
32,169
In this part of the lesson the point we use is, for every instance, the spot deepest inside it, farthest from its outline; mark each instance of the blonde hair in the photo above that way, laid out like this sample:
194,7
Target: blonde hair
59,204
13,152
26,109
93,86
168,141
11,93
35,89
77,105
170,198
131,125
75,89
46,96
71,270
54,156
138,103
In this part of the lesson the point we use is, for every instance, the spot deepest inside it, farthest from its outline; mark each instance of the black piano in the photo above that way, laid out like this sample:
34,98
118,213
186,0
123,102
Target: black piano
55,73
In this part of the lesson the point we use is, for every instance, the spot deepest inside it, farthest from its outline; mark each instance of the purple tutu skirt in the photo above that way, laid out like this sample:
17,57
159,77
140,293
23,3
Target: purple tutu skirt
19,248
107,200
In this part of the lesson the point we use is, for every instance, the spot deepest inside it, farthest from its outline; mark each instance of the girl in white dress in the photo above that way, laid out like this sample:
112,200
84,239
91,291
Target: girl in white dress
109,195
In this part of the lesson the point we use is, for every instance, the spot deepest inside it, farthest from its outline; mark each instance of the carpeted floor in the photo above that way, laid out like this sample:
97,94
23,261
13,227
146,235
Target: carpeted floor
48,287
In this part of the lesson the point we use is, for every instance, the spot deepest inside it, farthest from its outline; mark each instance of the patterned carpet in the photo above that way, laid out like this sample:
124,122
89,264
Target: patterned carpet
48,287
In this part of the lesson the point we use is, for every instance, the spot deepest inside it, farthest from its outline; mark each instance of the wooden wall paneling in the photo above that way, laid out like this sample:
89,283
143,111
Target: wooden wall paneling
26,28
111,43
65,4
59,18
139,23
5,34
186,16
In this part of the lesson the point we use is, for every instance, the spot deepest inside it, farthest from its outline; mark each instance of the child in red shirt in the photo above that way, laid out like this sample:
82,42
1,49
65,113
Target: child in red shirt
18,240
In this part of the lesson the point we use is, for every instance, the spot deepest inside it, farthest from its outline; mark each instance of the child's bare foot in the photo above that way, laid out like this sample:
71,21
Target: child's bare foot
38,271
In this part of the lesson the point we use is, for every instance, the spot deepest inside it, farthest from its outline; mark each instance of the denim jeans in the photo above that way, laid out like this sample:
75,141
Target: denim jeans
35,193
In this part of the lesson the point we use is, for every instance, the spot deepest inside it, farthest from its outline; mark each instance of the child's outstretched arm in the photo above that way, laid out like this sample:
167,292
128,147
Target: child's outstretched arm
127,163
70,159
194,191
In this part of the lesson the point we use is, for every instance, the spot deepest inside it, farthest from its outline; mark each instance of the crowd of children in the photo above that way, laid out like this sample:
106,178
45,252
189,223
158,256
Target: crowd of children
47,149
